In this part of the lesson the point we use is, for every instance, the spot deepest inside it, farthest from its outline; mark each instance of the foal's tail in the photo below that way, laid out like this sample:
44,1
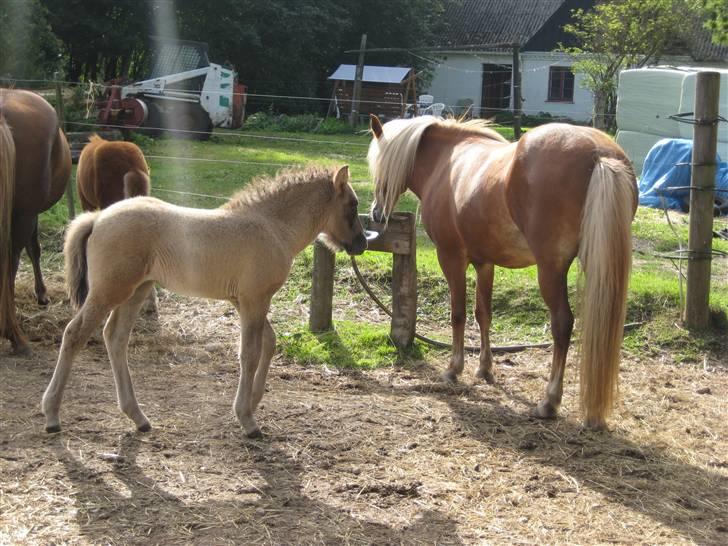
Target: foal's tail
605,253
74,250
8,327
136,183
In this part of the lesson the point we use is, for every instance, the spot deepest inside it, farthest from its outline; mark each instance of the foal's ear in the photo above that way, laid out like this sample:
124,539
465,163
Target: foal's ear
375,125
341,178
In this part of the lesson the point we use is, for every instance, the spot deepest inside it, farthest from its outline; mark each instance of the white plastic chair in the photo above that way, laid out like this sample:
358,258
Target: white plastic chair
433,110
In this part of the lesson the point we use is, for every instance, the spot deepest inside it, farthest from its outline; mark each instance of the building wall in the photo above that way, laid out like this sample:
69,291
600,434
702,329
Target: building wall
459,76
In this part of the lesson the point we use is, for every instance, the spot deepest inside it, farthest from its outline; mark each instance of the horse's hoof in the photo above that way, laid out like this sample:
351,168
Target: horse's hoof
486,376
595,425
254,434
449,377
51,429
544,410
23,351
43,301
146,427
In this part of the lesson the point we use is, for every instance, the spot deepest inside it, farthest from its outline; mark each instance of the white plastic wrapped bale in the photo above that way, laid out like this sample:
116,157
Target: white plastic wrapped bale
687,104
636,146
646,97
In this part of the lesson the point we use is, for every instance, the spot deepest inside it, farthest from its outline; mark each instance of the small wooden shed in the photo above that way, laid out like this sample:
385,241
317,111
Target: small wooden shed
385,90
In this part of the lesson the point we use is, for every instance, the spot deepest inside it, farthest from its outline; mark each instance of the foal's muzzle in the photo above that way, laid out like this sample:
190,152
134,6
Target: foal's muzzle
357,246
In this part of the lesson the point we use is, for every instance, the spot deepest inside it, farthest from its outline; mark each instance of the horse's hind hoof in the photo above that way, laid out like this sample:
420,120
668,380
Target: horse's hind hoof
22,351
255,434
43,301
544,410
52,429
449,377
146,427
488,377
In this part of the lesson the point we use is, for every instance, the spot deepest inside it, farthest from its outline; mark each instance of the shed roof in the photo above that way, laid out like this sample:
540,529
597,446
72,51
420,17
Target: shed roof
372,74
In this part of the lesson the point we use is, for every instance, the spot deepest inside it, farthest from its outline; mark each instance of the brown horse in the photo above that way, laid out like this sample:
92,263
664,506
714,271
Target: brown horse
560,192
35,164
109,171
241,252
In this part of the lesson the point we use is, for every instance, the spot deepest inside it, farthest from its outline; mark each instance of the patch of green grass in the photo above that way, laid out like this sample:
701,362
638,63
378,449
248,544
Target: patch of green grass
349,345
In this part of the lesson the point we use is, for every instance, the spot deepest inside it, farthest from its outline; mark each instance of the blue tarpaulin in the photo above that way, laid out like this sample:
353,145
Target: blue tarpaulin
667,166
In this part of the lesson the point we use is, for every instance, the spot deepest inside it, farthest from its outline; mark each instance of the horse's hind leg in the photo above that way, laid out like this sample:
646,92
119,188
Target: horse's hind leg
33,250
483,314
266,353
454,266
74,338
552,282
116,335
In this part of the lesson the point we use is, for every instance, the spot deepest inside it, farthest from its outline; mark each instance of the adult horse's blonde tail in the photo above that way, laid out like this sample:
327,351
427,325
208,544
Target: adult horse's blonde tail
605,252
8,327
74,250
136,183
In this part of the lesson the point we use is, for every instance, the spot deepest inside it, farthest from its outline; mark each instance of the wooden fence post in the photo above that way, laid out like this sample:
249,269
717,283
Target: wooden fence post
322,288
404,290
62,124
700,239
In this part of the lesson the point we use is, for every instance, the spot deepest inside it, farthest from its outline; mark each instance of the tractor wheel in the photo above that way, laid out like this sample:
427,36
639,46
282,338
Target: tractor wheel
191,122
152,126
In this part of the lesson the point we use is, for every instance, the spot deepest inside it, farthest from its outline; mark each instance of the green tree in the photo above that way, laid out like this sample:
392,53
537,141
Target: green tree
28,48
716,12
618,34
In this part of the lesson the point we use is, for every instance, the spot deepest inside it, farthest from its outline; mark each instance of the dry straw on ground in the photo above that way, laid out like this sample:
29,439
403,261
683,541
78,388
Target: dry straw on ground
384,457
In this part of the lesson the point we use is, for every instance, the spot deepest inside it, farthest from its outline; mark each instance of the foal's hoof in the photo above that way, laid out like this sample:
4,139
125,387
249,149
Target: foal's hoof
146,427
486,376
52,429
449,377
544,410
254,434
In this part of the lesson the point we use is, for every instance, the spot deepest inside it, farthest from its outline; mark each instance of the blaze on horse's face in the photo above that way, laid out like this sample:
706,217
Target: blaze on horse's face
344,229
377,212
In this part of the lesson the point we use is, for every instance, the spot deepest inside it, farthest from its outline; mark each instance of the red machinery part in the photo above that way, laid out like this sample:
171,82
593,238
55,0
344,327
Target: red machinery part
130,112
240,97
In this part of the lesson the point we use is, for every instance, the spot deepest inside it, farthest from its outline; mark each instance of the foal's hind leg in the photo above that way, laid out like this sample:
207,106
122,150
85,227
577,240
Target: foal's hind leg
552,281
74,338
454,266
33,250
483,314
116,335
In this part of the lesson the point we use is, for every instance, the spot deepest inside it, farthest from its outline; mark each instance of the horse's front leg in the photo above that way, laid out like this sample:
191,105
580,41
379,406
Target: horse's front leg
251,341
483,314
454,266
552,282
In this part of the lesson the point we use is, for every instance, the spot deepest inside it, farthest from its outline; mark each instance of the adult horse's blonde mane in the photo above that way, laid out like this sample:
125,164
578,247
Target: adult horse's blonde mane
263,188
391,157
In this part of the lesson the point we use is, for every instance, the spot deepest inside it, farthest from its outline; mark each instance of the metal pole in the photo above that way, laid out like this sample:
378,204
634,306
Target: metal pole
357,82
700,239
62,124
516,92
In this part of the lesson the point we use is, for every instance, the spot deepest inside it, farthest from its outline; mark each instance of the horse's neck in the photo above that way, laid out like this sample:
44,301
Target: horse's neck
299,215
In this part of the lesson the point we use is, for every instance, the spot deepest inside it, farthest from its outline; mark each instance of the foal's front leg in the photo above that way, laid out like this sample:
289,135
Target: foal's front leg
251,334
454,266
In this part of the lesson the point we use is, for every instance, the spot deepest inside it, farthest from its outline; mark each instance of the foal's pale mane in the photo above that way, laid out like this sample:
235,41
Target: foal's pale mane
392,156
264,188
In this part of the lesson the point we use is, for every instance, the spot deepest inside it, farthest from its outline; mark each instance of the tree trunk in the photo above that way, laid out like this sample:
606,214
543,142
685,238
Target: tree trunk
601,100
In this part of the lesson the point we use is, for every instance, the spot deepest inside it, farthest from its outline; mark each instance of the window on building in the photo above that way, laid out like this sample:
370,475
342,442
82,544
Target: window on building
561,84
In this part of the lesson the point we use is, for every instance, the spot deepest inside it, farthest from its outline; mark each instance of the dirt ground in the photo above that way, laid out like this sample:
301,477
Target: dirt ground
384,457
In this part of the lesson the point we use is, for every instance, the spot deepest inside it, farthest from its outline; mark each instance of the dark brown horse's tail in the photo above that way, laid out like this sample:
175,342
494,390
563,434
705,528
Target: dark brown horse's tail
136,183
8,326
74,250
605,252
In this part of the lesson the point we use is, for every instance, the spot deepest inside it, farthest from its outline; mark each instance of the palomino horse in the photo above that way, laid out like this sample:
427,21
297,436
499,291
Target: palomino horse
559,192
35,164
109,171
241,252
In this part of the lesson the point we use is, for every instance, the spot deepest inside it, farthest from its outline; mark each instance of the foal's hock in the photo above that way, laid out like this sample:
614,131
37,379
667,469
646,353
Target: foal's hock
241,252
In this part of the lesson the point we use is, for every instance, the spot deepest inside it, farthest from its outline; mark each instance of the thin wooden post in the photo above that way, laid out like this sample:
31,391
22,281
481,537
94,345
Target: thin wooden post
404,290
700,239
357,82
62,124
322,288
517,103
